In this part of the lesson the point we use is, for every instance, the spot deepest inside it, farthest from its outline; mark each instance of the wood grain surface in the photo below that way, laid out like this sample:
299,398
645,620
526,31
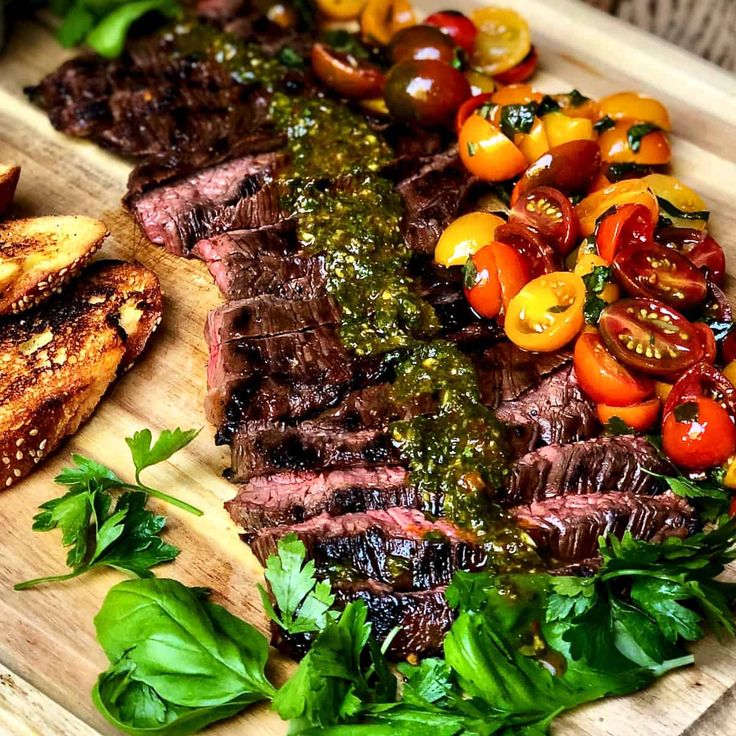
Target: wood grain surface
49,658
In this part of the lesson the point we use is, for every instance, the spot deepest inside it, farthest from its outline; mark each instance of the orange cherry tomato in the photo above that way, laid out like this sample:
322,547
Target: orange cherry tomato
341,9
634,106
534,143
487,152
652,149
465,236
640,417
515,94
547,313
345,75
574,105
603,378
698,434
561,128
627,224
469,107
381,19
621,192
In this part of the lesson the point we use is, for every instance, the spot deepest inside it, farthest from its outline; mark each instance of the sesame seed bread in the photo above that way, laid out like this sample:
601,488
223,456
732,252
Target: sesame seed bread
9,176
58,360
39,255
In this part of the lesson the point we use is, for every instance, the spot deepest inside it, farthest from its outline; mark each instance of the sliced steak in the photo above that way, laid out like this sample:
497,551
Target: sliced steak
567,527
591,466
291,498
397,546
554,412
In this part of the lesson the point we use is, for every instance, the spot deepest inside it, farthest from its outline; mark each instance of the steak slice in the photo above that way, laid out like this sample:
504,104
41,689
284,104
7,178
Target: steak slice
567,527
291,498
591,466
553,412
397,546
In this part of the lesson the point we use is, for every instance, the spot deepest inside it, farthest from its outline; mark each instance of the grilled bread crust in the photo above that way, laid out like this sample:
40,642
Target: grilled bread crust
9,176
57,361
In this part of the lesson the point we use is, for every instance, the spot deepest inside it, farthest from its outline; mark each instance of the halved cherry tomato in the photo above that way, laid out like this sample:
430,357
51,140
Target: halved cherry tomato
603,377
457,26
710,349
421,42
663,389
651,149
515,94
502,42
346,75
469,107
522,71
629,224
698,434
682,197
702,379
728,350
629,191
729,371
640,417
702,249
341,9
527,241
570,168
561,128
487,152
635,107
574,105
600,182
551,214
534,143
650,336
464,236
492,276
586,263
382,18
547,313
717,308
480,84
653,271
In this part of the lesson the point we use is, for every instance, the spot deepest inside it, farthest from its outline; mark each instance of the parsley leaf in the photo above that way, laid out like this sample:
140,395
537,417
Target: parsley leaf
616,426
145,454
290,58
683,486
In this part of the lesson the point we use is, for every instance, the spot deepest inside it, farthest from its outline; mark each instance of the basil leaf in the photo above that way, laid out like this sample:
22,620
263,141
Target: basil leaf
604,124
517,119
636,132
673,211
548,104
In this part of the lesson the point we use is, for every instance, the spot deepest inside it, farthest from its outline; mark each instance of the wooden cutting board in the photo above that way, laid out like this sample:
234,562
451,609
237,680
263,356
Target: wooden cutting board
49,658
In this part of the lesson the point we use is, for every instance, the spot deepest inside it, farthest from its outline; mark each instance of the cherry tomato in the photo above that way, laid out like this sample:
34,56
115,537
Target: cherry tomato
650,336
381,19
651,270
729,371
728,349
492,277
487,152
533,144
633,106
629,224
700,380
708,339
619,193
574,105
425,93
551,214
698,434
547,313
603,378
586,263
480,84
502,42
702,249
674,191
469,107
421,42
561,128
718,307
515,94
346,75
640,417
651,149
465,236
457,26
527,241
341,9
570,168
522,71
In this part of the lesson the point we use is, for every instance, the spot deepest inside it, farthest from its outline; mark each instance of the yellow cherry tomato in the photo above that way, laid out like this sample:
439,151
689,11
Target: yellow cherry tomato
652,149
561,128
547,313
633,106
729,477
464,237
534,143
662,390
381,19
627,191
730,372
503,40
487,152
585,265
341,9
681,196
480,84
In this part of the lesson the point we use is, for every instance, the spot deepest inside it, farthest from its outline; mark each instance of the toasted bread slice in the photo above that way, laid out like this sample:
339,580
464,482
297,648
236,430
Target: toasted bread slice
57,361
39,255
9,176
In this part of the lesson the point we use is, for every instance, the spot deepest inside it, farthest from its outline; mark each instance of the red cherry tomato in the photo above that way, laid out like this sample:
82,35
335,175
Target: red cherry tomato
701,380
728,347
457,26
698,434
469,107
551,214
650,336
603,378
627,224
717,308
346,75
522,71
703,250
527,241
651,270
640,417
708,339
570,167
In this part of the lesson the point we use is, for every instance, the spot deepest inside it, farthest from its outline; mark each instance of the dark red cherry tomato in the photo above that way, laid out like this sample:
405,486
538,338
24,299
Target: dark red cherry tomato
526,240
650,336
346,75
702,249
421,42
728,347
710,348
651,270
425,93
628,224
457,26
551,214
702,379
469,107
570,167
717,308
522,71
